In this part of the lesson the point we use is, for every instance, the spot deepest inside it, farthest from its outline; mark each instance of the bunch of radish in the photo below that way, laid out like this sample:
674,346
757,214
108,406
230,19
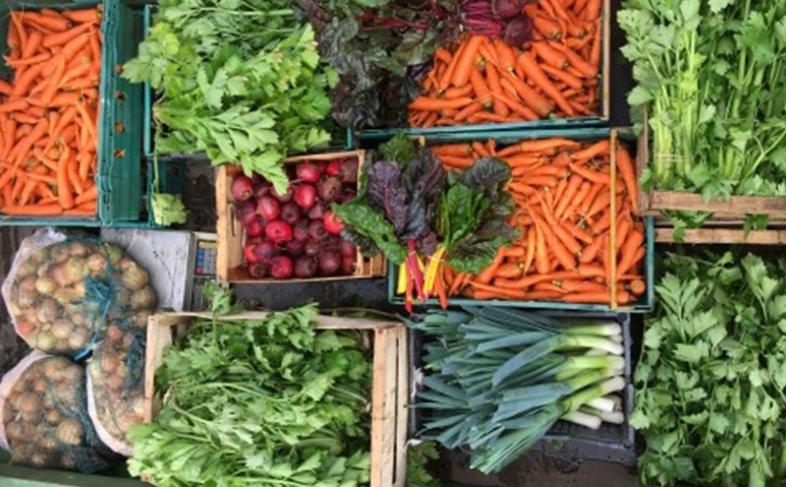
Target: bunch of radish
295,234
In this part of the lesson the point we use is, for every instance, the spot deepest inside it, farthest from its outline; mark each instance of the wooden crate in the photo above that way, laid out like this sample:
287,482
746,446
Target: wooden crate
230,233
389,391
732,211
722,236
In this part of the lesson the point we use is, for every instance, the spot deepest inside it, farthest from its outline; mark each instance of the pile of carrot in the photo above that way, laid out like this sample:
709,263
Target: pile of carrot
485,80
48,113
578,243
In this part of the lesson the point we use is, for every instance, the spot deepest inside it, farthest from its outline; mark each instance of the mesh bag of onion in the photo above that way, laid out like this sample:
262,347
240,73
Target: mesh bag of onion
61,292
115,385
43,416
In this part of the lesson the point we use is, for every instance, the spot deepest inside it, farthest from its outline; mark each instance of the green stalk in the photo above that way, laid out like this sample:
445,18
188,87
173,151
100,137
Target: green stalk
575,401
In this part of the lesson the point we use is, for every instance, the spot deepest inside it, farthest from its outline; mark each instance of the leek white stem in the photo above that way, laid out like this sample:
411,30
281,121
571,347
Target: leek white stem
598,329
613,417
582,419
602,404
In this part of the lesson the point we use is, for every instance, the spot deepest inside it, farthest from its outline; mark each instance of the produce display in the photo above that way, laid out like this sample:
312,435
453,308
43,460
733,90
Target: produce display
61,292
49,113
497,379
260,402
294,233
424,220
709,386
240,81
711,79
546,65
115,385
44,416
564,211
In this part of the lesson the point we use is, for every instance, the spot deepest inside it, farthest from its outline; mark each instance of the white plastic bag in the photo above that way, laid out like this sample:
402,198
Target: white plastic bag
43,416
62,291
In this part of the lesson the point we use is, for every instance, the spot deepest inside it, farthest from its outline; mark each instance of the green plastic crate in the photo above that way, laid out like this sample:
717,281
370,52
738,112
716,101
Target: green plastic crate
121,105
644,304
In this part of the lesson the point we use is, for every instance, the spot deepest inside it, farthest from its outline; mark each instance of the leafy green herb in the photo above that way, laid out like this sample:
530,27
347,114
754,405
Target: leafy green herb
711,380
262,402
418,456
710,76
168,209
239,80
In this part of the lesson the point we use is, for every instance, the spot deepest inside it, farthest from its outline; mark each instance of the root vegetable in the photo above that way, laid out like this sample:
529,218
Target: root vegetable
278,231
61,329
348,265
48,311
329,188
283,198
145,298
140,319
97,264
307,172
45,342
305,196
316,230
70,432
268,207
78,249
258,270
295,247
135,278
113,252
300,230
334,167
45,285
329,262
52,417
25,327
255,228
333,224
316,212
349,171
281,267
242,188
290,213
306,267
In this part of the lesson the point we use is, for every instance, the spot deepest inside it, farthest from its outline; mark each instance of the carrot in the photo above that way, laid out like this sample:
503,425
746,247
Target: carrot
64,195
628,250
22,85
531,280
601,202
629,264
33,210
599,148
506,56
578,6
443,55
447,75
538,145
63,37
13,106
5,88
27,191
57,24
87,209
461,74
489,117
587,297
581,194
592,10
637,287
496,292
566,198
531,97
541,257
479,149
562,235
431,119
452,150
489,272
563,76
19,29
436,104
555,245
575,60
523,111
468,111
624,225
458,92
87,15
628,173
528,64
594,57
588,174
482,92
550,56
590,252
510,270
578,232
500,108
22,148
602,223
95,53
547,27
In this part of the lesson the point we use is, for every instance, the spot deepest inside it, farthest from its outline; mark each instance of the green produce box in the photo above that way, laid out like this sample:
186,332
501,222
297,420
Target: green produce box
600,119
120,160
645,302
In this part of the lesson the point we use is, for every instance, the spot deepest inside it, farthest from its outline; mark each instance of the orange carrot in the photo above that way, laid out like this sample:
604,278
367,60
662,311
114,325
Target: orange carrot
628,172
436,104
468,111
506,56
13,106
566,198
589,175
500,108
63,37
528,64
521,110
599,148
563,76
468,58
33,210
587,297
547,27
458,92
594,57
592,10
87,15
581,193
57,24
482,92
550,56
531,97
64,194
637,287
575,60
590,252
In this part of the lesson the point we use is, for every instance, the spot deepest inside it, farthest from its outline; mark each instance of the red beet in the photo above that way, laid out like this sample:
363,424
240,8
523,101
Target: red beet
255,228
258,270
305,196
349,171
290,213
329,188
268,207
246,212
333,223
295,247
249,254
311,247
242,189
300,230
334,167
264,250
305,267
262,188
278,231
307,172
283,198
321,165
348,249
281,267
316,212
329,262
316,230
348,265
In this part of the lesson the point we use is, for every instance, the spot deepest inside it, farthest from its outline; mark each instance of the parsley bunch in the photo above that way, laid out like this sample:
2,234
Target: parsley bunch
711,383
239,80
264,402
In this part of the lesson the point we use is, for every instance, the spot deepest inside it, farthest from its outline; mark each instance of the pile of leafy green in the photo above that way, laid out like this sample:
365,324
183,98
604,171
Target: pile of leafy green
408,197
262,402
239,80
711,77
380,49
418,456
710,384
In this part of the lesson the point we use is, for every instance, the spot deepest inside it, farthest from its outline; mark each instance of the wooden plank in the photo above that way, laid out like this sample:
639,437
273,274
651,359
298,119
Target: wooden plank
723,236
383,408
229,231
402,412
612,250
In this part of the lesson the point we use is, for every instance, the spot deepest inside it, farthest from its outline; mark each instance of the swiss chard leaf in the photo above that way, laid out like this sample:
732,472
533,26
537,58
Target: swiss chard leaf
366,221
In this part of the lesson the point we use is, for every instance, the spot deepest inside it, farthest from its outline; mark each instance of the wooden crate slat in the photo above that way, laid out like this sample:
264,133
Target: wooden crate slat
723,236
